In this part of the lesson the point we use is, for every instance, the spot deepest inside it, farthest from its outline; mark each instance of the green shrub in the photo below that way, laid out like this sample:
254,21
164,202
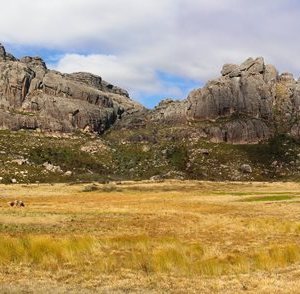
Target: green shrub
178,157
66,158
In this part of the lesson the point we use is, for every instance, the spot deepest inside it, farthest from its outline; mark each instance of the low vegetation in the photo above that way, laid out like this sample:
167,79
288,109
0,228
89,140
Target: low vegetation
269,198
171,236
43,251
117,156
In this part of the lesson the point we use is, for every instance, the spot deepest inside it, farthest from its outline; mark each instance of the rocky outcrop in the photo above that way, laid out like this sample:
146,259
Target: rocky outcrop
249,103
167,113
34,97
241,90
170,111
239,131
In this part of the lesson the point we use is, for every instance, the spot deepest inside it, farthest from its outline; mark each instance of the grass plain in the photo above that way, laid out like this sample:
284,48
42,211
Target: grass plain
150,237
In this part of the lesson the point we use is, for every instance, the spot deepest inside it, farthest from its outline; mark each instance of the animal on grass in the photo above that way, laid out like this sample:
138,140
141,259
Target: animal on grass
16,203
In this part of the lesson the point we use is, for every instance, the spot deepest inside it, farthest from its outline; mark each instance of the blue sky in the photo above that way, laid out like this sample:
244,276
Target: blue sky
157,49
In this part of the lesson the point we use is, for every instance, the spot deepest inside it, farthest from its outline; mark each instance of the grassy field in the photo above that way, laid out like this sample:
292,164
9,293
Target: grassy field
174,236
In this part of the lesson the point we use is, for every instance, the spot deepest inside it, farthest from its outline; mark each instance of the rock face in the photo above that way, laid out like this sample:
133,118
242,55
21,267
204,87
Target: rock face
170,111
246,168
34,97
167,113
241,90
248,103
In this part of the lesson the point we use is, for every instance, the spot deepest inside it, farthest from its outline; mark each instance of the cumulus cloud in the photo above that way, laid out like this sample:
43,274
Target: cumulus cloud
115,69
131,42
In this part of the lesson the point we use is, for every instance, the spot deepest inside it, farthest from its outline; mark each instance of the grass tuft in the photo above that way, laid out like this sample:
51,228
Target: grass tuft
268,198
43,251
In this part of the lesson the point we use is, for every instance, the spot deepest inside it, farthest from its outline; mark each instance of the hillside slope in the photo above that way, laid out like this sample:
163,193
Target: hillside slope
58,127
167,153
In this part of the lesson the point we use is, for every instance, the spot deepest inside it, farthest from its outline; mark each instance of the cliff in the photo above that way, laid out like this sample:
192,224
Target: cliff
34,97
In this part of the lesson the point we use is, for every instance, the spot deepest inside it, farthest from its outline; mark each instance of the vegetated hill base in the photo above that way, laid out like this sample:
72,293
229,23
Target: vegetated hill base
173,236
140,154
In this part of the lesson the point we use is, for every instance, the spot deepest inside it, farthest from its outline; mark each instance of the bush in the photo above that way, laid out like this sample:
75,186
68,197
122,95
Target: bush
66,158
178,157
90,188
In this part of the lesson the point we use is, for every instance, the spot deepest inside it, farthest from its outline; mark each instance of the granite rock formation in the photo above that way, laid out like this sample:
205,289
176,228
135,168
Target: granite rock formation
252,101
249,103
170,111
34,97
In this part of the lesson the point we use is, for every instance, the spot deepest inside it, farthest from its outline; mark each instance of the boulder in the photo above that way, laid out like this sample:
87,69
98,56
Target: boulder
253,66
204,151
20,161
286,77
246,169
232,70
270,73
156,178
52,168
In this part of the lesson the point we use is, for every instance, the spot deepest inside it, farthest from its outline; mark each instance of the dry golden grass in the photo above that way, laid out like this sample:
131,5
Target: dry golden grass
151,237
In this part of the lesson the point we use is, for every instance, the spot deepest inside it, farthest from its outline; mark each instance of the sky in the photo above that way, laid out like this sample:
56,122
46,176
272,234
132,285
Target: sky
153,48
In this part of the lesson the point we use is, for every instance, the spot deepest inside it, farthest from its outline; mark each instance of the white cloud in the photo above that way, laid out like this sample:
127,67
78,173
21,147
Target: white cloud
128,42
112,68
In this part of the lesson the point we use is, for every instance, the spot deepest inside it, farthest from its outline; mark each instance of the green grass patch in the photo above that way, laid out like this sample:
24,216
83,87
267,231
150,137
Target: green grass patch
268,198
65,157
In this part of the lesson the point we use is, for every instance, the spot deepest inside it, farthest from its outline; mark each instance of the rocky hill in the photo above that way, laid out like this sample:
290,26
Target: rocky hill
54,127
34,97
249,103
